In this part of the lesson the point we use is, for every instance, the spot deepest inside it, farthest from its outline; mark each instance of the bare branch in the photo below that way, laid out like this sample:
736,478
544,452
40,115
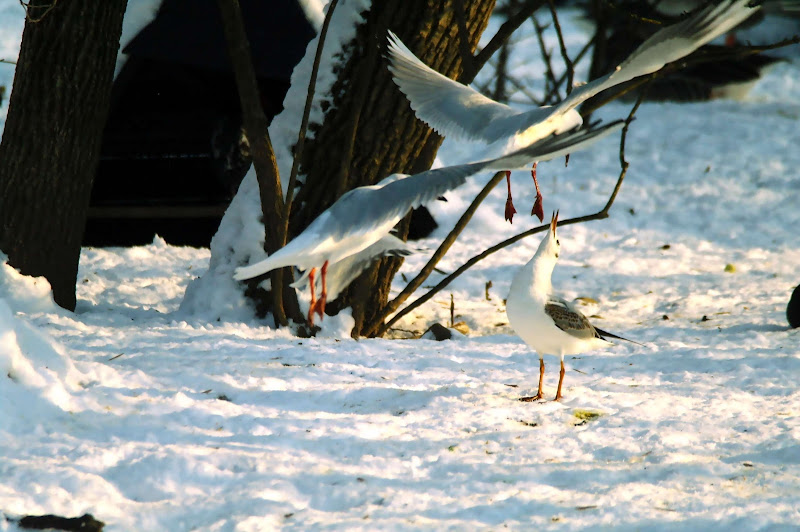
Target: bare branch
564,76
37,5
550,77
564,55
518,85
255,125
502,35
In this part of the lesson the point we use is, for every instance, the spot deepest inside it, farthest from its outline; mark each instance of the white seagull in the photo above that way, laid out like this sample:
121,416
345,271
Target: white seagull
457,111
366,215
549,324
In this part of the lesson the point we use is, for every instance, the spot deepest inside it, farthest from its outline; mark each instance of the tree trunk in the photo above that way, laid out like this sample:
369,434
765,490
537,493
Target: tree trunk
51,142
371,132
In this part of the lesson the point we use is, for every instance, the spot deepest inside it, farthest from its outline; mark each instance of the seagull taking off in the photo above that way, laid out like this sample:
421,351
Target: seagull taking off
547,323
455,110
366,215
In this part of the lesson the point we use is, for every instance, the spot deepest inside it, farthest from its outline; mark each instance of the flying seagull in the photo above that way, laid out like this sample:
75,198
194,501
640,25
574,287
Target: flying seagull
366,215
549,324
457,111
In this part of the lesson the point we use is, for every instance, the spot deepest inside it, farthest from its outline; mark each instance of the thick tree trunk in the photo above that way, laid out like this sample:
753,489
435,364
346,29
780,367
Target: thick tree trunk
52,136
370,131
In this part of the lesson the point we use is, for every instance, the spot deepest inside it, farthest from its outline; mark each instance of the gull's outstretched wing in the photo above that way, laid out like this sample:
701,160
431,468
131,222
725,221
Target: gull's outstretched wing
669,44
341,274
452,109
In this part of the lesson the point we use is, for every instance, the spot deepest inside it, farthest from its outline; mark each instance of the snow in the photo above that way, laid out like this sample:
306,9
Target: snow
157,415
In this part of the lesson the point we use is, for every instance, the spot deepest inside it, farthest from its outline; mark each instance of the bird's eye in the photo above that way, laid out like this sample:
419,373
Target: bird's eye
556,255
557,242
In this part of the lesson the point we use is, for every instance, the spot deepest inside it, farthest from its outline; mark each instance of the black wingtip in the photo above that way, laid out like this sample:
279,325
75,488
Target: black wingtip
605,334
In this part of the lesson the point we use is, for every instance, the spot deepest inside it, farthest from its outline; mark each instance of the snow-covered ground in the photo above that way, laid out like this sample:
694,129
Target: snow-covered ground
151,418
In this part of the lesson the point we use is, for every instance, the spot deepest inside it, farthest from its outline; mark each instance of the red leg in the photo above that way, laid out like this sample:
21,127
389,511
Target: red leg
560,380
538,210
311,276
320,307
541,380
510,210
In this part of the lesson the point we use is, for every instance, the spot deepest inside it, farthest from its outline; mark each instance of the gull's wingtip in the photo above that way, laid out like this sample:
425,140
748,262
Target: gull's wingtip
606,335
240,275
244,273
396,46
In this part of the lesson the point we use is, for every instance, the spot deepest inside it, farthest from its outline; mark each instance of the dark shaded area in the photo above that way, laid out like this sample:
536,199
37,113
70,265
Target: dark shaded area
173,154
421,224
793,308
439,332
85,523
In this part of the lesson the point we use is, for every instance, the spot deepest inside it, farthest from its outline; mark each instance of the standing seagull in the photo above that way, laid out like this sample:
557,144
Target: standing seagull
455,110
366,215
547,323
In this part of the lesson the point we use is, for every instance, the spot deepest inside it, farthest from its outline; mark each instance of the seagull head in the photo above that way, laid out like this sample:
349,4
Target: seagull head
550,248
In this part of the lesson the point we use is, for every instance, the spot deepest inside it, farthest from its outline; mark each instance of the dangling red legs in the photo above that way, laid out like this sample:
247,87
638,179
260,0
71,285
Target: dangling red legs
311,276
510,210
319,307
537,209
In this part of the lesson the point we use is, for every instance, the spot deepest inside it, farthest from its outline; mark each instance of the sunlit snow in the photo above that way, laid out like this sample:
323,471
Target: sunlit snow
153,417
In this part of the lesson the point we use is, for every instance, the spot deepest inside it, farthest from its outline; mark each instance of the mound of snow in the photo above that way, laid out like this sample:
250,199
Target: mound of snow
37,378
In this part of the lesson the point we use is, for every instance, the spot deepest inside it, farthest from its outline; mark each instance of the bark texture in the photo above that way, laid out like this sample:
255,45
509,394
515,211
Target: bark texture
51,141
369,130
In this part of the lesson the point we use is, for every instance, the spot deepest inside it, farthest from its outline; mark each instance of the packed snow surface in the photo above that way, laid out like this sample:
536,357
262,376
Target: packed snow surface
155,418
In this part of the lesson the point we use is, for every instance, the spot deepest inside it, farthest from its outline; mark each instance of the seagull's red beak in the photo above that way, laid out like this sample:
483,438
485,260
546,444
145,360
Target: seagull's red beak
554,223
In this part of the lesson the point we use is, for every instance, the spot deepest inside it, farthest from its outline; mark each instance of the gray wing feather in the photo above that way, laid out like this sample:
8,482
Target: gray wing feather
569,320
669,44
451,108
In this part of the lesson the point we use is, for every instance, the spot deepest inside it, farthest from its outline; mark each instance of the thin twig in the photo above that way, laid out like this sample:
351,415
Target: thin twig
27,7
518,85
564,55
550,77
501,74
376,327
8,61
301,135
506,29
601,214
564,76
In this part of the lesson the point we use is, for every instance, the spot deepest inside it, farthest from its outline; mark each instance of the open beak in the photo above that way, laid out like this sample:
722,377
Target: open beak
554,223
